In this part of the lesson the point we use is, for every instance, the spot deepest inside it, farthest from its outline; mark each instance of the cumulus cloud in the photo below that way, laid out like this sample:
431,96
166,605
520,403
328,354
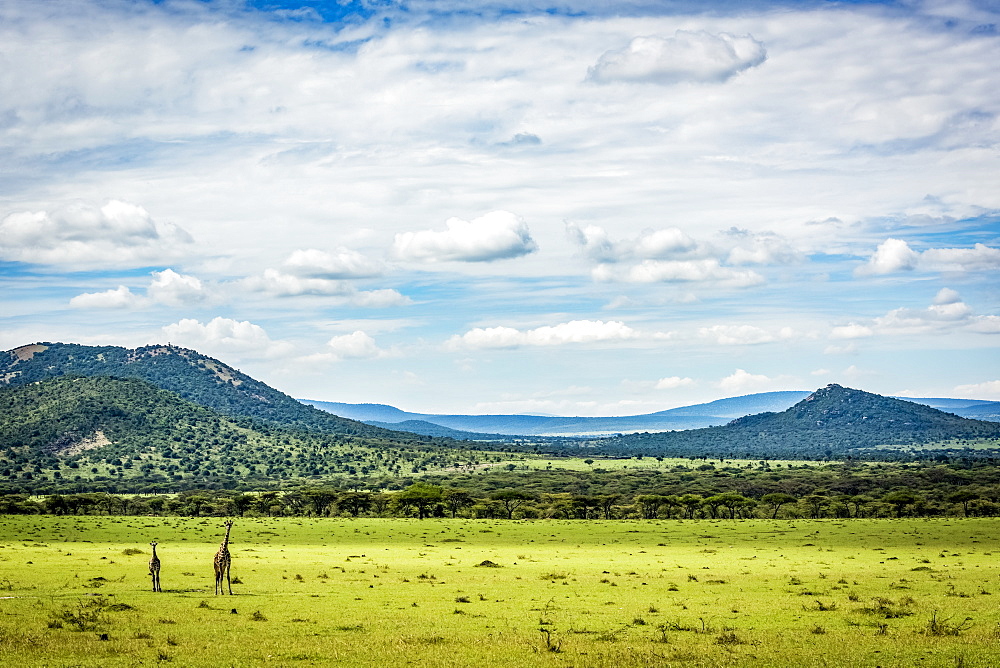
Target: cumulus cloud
687,56
742,335
978,258
276,283
670,255
989,390
947,312
225,336
707,270
173,289
741,381
576,331
167,287
357,345
851,331
657,244
343,263
115,234
495,236
764,248
281,284
672,383
120,297
891,256
895,255
383,298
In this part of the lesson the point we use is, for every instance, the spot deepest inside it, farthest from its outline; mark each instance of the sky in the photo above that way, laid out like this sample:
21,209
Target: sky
569,207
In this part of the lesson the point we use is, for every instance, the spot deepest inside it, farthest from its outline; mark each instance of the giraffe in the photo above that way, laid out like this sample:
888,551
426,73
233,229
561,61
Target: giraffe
222,561
154,568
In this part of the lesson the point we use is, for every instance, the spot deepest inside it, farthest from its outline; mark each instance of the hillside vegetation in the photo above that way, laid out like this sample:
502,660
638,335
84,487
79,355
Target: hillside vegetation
123,434
198,378
834,421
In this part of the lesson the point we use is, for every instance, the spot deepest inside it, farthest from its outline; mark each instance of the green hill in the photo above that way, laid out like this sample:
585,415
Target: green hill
833,421
123,434
198,378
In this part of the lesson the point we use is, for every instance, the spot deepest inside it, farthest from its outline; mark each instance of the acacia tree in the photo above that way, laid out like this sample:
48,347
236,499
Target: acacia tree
649,505
456,499
776,500
511,499
421,496
241,503
965,497
606,502
354,502
900,499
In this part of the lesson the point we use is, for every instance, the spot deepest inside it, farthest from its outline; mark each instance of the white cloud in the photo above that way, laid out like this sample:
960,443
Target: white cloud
989,390
227,337
978,258
672,383
167,287
891,256
357,345
687,56
383,298
120,297
343,263
895,255
741,381
764,248
276,283
116,234
946,313
576,331
734,335
173,289
657,244
280,284
664,244
670,255
495,236
680,271
851,331
986,324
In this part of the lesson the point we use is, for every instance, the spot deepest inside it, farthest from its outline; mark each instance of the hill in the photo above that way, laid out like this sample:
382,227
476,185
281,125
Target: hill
124,434
831,422
198,378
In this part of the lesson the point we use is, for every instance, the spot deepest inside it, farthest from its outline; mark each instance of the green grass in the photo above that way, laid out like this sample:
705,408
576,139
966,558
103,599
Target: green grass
378,592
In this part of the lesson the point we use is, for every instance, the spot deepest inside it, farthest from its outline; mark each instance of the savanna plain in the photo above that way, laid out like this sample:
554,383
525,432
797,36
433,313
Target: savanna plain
75,591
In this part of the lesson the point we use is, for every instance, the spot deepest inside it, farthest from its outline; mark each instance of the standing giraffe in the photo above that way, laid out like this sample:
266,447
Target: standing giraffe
222,561
154,568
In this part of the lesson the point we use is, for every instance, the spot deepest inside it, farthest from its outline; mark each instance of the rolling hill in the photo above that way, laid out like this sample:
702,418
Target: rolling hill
80,433
198,378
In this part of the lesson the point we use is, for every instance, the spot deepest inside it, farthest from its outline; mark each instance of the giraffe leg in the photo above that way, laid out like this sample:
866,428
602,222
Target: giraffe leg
228,581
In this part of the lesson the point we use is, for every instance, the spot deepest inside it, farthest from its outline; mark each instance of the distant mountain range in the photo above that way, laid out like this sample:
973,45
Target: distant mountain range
697,416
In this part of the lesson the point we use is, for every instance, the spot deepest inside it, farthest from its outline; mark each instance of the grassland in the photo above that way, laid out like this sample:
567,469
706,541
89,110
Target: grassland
74,591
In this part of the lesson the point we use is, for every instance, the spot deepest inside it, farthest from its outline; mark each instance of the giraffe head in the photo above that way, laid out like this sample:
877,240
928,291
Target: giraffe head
154,544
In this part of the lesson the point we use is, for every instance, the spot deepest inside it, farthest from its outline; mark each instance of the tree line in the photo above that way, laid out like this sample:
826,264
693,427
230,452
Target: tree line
422,499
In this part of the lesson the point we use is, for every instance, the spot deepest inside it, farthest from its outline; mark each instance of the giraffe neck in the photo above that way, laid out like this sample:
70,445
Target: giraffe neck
225,542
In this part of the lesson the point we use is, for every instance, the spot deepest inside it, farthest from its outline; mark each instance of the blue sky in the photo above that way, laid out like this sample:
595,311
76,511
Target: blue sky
576,208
